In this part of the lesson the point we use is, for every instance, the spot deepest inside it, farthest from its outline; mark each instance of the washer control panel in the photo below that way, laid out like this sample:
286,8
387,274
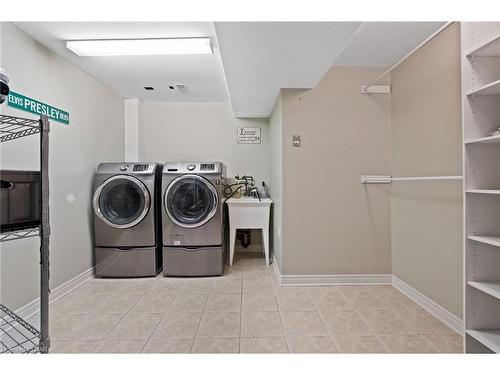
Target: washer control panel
208,167
141,167
126,168
192,167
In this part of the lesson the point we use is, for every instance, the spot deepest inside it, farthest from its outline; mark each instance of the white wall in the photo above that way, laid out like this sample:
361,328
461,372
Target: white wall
201,131
95,134
276,182
131,129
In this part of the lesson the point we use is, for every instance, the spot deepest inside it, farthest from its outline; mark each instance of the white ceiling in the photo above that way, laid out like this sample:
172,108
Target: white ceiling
254,59
127,75
259,58
384,43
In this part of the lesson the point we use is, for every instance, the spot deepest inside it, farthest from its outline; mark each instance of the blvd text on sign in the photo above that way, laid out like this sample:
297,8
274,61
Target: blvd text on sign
24,103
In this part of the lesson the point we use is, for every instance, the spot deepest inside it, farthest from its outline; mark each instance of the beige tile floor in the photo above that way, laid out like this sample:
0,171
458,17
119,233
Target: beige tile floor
244,311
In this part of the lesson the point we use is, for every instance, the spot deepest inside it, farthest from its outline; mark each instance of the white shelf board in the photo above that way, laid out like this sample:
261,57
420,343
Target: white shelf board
482,191
489,240
489,48
492,88
489,287
488,337
490,139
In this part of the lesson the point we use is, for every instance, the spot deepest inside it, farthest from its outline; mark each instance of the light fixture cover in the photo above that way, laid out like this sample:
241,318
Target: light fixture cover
138,47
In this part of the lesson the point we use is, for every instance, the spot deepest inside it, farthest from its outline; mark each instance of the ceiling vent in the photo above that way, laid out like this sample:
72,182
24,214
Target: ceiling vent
182,89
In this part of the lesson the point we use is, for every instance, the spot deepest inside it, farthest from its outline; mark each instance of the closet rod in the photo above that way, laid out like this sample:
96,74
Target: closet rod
368,179
437,32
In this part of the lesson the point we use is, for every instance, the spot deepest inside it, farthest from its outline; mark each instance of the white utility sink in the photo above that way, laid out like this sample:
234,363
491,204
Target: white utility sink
249,213
249,200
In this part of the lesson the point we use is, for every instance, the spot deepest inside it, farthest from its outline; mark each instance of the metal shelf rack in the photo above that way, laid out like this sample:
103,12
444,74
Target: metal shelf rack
17,335
17,127
21,233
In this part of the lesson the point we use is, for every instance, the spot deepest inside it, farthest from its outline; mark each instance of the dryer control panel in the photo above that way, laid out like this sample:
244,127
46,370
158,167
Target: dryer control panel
192,167
126,168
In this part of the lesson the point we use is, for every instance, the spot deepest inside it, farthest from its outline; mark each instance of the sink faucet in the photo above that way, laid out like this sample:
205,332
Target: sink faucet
248,182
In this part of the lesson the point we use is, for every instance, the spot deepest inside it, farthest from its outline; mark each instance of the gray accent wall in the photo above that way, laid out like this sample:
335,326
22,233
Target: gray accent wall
332,224
426,217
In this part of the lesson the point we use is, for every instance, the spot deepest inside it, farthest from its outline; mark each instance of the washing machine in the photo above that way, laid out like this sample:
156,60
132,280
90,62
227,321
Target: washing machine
193,218
127,231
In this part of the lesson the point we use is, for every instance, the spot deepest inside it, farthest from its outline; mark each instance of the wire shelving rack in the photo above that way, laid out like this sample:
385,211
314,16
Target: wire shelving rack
17,335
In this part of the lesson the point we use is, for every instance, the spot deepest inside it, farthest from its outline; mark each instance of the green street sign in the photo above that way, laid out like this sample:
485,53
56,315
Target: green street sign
24,103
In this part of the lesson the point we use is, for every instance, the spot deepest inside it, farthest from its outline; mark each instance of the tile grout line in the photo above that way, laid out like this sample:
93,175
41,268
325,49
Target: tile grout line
323,322
201,318
281,321
430,343
366,323
159,321
93,313
372,331
165,313
273,293
368,326
398,312
128,311
241,313
355,310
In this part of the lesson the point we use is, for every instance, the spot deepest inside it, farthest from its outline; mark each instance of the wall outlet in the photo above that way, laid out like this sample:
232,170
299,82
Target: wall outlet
296,140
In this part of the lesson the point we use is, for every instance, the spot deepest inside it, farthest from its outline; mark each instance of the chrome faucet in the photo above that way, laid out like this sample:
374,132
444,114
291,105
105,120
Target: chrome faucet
248,182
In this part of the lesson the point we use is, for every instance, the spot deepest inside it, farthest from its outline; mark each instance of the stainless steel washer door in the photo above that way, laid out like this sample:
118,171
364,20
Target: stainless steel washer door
190,201
122,201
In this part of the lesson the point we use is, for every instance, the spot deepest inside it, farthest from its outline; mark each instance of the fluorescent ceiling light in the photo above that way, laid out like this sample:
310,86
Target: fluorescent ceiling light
137,47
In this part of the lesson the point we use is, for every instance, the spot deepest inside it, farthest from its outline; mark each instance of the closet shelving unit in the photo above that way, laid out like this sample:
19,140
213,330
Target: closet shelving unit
481,151
17,335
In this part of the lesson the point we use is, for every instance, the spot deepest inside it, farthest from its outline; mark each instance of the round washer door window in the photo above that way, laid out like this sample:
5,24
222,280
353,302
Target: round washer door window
122,201
190,201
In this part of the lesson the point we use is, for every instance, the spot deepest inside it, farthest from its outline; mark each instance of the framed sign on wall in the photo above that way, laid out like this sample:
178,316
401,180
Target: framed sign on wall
248,135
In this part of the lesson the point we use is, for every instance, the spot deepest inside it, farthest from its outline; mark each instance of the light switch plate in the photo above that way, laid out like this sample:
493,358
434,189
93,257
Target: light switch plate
296,141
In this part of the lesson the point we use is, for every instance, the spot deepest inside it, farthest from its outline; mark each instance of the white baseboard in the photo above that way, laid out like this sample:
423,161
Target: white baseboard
311,280
34,306
451,320
277,272
335,280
